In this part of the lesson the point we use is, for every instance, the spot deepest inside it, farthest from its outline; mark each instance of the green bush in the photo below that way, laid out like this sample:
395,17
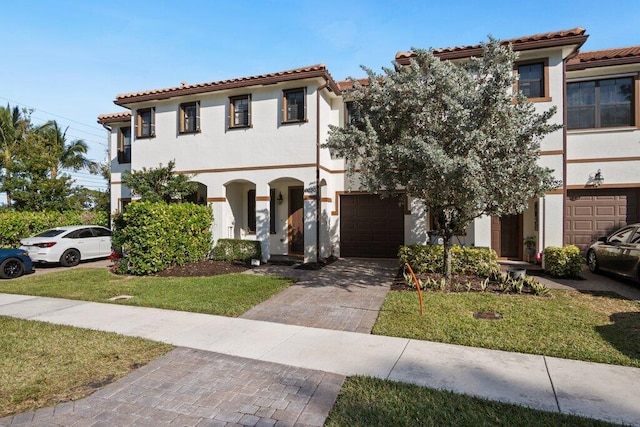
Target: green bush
464,260
154,236
563,262
236,250
16,225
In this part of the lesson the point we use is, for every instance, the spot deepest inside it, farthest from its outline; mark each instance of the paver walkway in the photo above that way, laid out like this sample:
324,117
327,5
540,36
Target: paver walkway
344,296
198,388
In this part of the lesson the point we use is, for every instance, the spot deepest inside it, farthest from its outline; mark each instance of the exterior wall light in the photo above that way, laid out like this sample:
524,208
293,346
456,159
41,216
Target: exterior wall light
280,199
598,179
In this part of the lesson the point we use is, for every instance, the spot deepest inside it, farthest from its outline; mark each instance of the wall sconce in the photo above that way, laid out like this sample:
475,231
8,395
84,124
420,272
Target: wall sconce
280,199
598,179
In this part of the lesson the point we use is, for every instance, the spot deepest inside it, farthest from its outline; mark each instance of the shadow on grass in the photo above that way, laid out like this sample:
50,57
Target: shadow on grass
624,333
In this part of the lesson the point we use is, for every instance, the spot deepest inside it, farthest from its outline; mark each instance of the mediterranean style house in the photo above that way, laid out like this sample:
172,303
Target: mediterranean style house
254,146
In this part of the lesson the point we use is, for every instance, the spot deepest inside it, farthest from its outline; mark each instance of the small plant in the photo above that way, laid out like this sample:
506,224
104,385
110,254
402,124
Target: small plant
563,262
484,285
529,242
457,286
517,285
537,288
442,285
468,286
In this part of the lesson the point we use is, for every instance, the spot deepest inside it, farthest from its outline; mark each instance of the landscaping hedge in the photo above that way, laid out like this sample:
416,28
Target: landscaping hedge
464,260
563,262
236,250
154,236
17,225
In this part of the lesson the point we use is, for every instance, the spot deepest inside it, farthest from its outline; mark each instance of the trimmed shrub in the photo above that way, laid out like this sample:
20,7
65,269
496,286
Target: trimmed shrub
16,225
154,236
237,250
464,260
563,262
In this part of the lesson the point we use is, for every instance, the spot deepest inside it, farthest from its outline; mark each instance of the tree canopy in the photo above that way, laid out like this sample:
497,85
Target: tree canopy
159,184
454,135
31,160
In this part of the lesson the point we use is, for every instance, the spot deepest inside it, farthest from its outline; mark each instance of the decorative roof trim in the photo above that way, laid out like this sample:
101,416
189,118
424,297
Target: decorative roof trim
604,58
123,116
575,36
312,71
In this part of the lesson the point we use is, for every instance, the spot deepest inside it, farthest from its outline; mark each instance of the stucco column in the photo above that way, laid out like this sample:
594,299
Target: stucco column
310,225
262,219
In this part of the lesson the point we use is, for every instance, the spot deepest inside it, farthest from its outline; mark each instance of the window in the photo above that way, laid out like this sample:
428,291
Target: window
124,145
146,123
600,103
190,117
240,111
294,106
531,80
251,211
272,211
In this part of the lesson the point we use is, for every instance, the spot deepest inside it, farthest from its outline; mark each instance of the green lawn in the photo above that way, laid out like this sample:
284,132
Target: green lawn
573,325
373,402
43,364
225,295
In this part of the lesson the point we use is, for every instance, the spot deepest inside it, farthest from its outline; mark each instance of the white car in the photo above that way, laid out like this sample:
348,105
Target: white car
69,245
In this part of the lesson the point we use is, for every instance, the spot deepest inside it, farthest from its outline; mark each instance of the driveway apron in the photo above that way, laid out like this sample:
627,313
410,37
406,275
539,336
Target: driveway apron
345,295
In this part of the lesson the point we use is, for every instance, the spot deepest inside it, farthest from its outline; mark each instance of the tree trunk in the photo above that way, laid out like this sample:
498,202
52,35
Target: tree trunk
447,259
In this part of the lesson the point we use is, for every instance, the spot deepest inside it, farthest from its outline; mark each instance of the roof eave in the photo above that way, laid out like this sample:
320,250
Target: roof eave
606,62
577,40
259,81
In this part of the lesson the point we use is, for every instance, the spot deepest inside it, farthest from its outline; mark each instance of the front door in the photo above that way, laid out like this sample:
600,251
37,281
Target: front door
296,220
506,235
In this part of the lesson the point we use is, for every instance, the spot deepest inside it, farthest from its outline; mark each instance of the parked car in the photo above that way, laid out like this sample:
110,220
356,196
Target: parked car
14,263
617,253
69,245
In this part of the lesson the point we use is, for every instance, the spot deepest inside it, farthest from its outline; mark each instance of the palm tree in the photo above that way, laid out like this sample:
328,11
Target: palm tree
13,128
65,154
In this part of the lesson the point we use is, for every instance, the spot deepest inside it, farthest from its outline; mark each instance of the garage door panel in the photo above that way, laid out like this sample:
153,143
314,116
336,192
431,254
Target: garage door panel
610,209
370,226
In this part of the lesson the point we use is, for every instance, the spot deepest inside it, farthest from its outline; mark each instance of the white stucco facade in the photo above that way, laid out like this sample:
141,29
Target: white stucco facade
273,173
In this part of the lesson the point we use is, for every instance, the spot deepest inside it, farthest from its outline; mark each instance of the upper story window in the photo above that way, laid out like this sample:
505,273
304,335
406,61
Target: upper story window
294,106
240,111
124,145
533,80
146,123
600,103
190,117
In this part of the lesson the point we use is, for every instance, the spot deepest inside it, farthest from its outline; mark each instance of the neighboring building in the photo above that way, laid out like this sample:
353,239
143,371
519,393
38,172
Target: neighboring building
254,144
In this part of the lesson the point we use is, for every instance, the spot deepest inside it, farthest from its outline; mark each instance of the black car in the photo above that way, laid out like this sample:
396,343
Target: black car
617,253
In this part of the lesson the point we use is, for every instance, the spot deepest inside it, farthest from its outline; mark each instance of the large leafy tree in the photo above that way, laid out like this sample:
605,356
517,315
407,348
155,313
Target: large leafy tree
452,135
159,184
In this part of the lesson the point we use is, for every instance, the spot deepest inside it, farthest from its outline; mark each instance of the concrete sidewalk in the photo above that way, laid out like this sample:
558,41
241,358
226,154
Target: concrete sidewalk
593,390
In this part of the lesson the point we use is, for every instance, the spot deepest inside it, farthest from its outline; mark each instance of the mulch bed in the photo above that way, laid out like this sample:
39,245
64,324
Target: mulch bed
202,269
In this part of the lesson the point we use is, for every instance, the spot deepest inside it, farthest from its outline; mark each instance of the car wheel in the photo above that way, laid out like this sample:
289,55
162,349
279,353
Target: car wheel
592,262
11,268
70,258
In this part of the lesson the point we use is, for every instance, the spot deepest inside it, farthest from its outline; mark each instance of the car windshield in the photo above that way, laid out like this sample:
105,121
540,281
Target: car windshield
50,233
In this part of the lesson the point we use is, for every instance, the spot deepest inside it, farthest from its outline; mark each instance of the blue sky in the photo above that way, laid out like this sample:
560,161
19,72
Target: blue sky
69,59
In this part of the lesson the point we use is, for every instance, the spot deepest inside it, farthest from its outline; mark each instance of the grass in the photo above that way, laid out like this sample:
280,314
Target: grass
43,364
373,402
592,327
225,295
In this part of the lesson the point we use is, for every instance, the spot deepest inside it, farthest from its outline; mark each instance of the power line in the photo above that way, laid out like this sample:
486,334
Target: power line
53,114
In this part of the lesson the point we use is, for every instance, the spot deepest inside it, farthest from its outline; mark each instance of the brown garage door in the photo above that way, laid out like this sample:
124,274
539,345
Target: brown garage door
370,227
597,212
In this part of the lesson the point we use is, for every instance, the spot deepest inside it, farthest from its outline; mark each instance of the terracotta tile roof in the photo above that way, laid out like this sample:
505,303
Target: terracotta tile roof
348,84
601,58
122,116
311,71
536,41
